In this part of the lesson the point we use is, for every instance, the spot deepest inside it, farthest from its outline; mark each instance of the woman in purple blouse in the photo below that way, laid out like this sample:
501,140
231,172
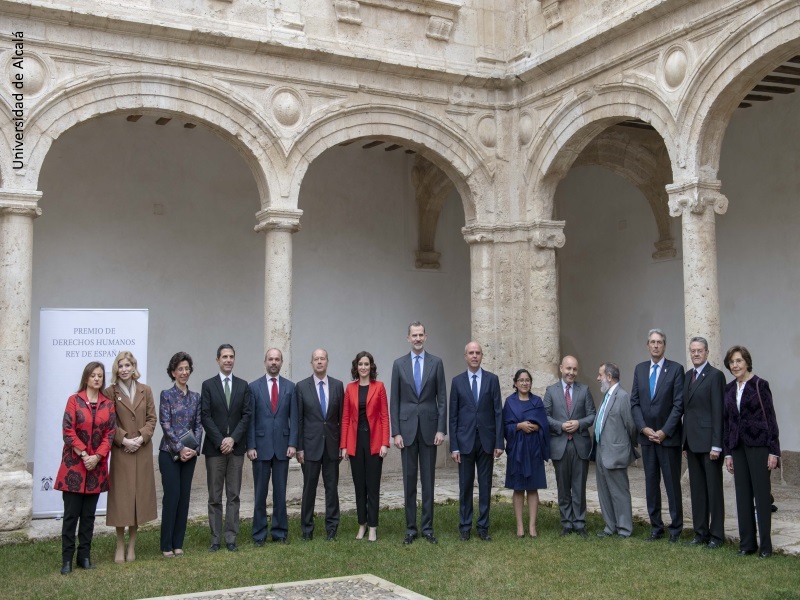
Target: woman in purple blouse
179,414
751,447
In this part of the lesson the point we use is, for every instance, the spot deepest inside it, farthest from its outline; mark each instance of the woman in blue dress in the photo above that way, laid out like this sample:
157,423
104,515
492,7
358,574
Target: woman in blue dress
527,447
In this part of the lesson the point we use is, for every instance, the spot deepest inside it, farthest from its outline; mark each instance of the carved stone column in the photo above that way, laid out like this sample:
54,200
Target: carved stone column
278,224
515,297
696,202
18,209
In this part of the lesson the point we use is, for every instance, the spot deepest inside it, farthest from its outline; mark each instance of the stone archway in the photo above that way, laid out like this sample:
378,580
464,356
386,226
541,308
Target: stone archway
575,124
225,112
455,155
724,77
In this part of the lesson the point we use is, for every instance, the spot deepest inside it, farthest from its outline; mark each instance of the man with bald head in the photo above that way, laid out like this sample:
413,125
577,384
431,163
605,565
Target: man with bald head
476,437
271,442
570,412
319,412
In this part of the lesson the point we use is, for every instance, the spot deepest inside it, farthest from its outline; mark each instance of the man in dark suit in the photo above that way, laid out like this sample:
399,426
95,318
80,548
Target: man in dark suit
418,411
703,400
615,433
271,442
225,411
319,418
570,413
476,437
657,407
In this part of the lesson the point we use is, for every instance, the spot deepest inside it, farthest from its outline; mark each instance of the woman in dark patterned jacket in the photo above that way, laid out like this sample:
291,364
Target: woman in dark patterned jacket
89,425
751,446
179,415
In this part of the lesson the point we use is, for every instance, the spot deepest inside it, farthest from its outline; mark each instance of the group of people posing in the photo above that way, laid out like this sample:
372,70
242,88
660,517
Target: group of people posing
320,421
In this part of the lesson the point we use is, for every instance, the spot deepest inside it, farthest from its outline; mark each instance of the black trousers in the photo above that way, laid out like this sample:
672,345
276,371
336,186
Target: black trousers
661,460
366,469
484,463
708,500
329,467
176,479
79,512
751,480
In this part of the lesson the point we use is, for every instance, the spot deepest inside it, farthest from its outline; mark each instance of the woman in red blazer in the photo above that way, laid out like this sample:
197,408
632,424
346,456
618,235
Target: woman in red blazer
365,439
88,428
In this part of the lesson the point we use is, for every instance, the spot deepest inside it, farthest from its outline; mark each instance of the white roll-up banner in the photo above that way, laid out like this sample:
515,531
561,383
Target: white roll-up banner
69,339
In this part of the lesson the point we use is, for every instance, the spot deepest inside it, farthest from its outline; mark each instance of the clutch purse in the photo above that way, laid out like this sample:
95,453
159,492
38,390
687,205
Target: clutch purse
188,440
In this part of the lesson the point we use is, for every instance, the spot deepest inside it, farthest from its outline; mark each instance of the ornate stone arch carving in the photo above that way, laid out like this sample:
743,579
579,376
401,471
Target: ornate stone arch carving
463,163
580,119
233,117
754,46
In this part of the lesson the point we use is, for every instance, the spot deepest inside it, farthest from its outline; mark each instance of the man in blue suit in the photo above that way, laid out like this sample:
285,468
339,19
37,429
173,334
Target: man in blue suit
657,407
476,437
271,442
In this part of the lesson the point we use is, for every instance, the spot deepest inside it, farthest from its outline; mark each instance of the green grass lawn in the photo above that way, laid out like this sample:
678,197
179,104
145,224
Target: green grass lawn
507,567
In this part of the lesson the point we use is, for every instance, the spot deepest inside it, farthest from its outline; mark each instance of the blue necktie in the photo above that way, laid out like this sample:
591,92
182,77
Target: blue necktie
475,389
653,377
322,399
600,417
417,376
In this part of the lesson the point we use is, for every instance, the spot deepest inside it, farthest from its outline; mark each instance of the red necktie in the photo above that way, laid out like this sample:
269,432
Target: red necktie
569,407
694,376
274,395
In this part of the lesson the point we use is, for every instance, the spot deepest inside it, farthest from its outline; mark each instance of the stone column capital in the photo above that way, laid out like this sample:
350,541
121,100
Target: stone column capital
695,195
20,202
278,219
543,233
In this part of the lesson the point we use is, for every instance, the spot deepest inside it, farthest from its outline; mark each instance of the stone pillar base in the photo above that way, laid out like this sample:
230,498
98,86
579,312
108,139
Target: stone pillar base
16,503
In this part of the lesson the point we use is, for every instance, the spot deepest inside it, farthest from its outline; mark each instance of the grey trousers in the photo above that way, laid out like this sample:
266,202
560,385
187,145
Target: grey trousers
571,473
225,470
614,492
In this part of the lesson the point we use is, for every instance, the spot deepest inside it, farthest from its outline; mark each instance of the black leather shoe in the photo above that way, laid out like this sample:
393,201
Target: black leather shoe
484,535
84,563
745,552
653,537
213,548
66,568
582,532
430,537
565,531
409,539
764,554
331,537
259,543
714,544
605,534
697,541
232,547
674,537
307,537
465,536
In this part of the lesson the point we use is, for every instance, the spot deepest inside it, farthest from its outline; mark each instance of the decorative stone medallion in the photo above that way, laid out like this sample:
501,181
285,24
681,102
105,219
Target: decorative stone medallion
676,64
525,129
34,72
287,108
487,132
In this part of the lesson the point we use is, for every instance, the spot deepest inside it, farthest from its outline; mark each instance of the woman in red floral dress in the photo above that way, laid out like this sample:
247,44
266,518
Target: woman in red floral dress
89,425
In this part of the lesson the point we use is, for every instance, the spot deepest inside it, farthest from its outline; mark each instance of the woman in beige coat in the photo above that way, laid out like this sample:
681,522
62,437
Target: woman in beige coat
132,497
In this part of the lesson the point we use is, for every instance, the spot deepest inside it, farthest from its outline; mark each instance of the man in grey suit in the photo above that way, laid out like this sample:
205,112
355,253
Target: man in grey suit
703,399
271,442
570,413
615,432
418,411
319,417
225,411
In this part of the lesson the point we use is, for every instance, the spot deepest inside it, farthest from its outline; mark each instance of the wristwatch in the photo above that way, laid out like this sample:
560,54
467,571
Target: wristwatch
83,454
